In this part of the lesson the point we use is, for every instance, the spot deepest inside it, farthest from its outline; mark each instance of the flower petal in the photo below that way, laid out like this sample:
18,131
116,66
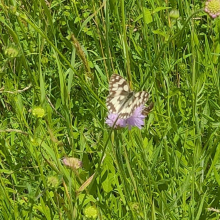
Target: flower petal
137,119
111,121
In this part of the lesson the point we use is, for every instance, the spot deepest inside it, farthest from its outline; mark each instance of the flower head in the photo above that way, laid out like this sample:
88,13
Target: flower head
72,162
174,14
91,212
136,119
11,51
38,112
53,181
111,121
212,7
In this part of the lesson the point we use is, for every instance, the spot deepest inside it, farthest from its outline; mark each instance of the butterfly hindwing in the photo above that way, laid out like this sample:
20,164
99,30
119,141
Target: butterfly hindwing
121,100
135,101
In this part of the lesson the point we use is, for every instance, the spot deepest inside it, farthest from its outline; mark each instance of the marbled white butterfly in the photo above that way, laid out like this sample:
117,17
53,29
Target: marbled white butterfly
121,100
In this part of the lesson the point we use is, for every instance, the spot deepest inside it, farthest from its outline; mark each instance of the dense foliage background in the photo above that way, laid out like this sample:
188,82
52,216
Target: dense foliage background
55,62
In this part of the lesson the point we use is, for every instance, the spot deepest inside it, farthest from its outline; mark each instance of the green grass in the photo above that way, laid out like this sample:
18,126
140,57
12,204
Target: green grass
59,56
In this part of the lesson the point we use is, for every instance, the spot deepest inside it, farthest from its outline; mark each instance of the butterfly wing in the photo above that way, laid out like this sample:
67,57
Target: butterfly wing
118,93
121,100
138,99
148,109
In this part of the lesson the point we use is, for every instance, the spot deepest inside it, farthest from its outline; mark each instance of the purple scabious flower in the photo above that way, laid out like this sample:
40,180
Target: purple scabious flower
212,7
136,119
112,118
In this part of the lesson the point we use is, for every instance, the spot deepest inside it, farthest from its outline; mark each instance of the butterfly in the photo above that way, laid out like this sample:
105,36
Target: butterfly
121,100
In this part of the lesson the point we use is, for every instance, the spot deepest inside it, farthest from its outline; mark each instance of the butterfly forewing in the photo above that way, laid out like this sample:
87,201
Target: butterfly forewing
121,100
118,93
118,86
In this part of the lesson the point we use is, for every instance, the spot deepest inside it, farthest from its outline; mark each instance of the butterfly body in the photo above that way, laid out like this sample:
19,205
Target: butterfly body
121,100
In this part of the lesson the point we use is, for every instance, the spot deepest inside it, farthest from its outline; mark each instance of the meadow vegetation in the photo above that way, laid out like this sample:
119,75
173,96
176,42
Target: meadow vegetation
56,60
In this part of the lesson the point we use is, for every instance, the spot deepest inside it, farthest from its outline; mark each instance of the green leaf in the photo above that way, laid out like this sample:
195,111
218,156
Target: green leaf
107,183
162,33
147,16
160,9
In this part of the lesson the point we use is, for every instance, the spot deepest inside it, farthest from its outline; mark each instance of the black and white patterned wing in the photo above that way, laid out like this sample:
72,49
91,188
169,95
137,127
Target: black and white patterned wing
121,100
118,93
136,100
